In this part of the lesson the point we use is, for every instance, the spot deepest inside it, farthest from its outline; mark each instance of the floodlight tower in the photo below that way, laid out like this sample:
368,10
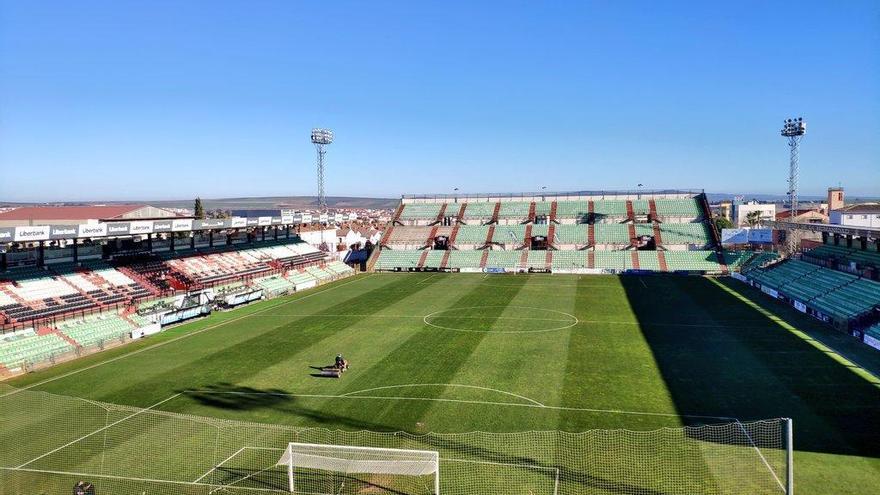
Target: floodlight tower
321,138
794,130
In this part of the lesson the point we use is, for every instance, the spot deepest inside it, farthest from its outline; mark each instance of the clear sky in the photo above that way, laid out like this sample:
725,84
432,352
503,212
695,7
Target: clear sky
173,99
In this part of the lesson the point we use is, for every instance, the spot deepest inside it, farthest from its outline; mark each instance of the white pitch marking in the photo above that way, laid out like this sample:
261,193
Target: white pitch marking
218,465
574,321
410,385
190,334
463,401
97,431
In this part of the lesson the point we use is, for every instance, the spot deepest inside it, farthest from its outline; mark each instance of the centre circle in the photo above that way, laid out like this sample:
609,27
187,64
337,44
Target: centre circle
500,319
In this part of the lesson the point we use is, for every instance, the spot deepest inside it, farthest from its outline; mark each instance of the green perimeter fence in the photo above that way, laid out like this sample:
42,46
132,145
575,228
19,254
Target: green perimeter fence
50,442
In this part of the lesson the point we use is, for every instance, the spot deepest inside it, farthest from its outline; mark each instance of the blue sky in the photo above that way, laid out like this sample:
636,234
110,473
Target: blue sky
169,99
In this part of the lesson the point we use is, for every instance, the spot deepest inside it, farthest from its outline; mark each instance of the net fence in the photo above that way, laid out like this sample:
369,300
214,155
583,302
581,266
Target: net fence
50,442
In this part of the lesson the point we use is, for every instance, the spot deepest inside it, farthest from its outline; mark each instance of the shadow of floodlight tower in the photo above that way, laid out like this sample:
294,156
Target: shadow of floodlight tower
321,138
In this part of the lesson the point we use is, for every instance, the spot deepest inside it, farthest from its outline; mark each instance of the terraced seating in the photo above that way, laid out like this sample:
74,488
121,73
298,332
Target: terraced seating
685,233
760,260
508,260
536,259
873,331
542,208
514,209
573,209
402,234
540,230
393,258
644,229
692,260
472,234
571,234
275,284
465,259
845,255
612,260
509,234
569,259
96,330
319,273
641,206
481,209
32,349
648,260
338,268
851,300
612,233
610,208
420,211
685,208
298,277
434,258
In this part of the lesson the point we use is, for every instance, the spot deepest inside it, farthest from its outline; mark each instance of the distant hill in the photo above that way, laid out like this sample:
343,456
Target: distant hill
297,202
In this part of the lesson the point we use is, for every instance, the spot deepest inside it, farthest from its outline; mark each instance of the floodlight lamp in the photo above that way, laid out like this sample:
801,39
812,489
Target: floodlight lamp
322,136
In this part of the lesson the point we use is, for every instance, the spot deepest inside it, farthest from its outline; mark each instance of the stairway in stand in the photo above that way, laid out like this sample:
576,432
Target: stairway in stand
442,214
551,234
527,237
489,234
652,209
630,214
386,236
632,234
432,235
661,259
496,212
454,234
524,259
445,261
423,257
548,261
635,259
461,211
591,259
397,213
484,258
724,269
591,234
658,238
552,212
532,212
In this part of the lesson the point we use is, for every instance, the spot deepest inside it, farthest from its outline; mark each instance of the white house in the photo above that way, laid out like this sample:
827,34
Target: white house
862,215
741,212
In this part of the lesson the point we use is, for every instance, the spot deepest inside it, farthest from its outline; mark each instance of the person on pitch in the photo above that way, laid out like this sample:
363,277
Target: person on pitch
341,363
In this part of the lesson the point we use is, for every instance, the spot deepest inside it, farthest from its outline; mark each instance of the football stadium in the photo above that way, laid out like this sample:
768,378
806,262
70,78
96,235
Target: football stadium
589,342
246,248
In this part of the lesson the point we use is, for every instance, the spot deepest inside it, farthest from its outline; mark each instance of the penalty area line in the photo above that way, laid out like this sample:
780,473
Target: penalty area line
466,401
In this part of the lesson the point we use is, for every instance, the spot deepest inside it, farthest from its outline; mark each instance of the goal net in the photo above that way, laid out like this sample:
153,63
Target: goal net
50,442
317,468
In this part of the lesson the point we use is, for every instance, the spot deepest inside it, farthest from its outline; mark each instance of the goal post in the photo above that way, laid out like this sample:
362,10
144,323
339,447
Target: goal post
331,460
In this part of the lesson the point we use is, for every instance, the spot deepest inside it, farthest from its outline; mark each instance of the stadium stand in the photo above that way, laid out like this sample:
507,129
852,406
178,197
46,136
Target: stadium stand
675,222
682,208
420,211
692,260
578,210
479,210
514,210
845,255
839,295
27,348
509,234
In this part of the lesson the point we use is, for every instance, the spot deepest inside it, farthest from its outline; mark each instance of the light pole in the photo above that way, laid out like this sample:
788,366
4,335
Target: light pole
321,138
794,130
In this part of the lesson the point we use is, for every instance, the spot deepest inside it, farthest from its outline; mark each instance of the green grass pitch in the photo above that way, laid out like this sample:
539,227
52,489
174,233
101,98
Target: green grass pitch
461,353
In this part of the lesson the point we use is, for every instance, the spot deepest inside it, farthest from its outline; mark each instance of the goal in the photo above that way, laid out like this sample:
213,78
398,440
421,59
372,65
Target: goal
321,468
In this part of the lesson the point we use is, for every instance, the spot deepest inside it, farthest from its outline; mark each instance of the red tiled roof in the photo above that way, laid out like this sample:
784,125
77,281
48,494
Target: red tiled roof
68,212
